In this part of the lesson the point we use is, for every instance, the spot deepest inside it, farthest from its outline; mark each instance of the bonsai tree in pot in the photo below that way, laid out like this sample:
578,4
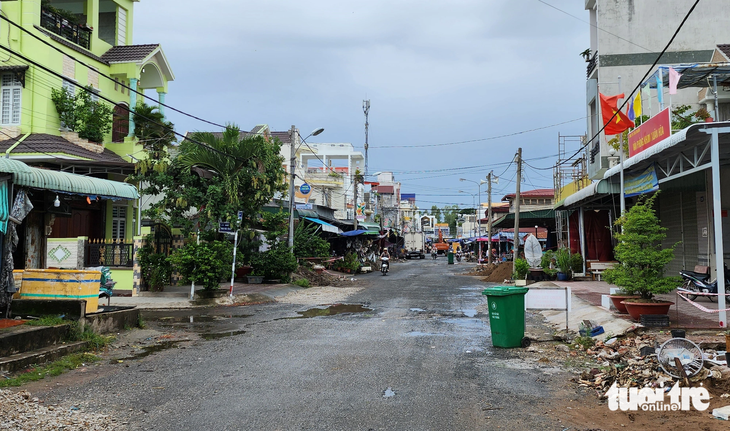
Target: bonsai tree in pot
521,268
642,259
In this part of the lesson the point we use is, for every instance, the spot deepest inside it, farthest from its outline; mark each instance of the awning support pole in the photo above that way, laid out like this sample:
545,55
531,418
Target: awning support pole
582,237
717,220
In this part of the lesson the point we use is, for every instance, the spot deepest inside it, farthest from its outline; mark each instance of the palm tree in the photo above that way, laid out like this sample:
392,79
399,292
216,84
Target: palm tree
247,170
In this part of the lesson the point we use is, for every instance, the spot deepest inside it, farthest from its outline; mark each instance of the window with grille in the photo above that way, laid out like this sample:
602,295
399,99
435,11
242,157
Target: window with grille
119,222
10,97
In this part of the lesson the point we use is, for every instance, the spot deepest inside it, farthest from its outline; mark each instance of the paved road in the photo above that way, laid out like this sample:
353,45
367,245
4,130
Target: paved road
421,359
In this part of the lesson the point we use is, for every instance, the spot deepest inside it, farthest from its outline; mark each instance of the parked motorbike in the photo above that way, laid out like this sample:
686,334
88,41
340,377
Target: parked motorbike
434,253
384,265
458,256
698,282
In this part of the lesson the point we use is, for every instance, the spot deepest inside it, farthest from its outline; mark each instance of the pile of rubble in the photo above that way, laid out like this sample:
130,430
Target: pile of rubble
493,273
21,411
632,362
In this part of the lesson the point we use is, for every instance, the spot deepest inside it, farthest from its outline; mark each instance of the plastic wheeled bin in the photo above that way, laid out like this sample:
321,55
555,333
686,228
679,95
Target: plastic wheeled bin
451,257
507,315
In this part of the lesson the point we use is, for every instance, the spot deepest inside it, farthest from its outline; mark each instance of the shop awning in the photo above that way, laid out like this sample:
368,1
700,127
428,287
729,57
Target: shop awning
325,226
64,182
524,216
374,227
359,232
586,194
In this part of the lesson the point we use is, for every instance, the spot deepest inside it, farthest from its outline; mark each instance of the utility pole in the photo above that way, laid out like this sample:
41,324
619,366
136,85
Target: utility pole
517,207
489,214
354,207
366,110
292,166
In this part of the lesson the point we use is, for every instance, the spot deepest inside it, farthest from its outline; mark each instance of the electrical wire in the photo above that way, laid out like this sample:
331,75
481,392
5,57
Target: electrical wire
107,76
209,148
626,100
521,132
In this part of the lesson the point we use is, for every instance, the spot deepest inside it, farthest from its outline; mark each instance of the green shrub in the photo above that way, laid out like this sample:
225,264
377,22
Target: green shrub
155,267
206,263
277,263
576,263
546,259
302,282
563,260
521,268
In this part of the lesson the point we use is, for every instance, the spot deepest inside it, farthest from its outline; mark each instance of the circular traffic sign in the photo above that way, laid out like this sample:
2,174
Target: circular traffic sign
305,188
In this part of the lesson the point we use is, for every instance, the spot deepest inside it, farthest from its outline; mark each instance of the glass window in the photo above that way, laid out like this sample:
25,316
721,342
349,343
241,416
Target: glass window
10,99
119,222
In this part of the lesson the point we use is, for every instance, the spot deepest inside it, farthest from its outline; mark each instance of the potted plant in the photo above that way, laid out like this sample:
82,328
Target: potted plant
521,268
547,263
642,259
564,262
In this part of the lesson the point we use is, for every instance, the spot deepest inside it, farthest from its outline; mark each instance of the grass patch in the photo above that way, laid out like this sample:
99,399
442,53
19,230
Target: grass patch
140,322
96,341
47,321
52,369
302,282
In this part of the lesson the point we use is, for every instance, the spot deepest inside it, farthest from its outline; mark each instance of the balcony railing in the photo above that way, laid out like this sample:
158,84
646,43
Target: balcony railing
101,252
59,25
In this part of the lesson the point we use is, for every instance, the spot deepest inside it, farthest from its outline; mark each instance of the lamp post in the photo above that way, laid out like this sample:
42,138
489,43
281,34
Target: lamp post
293,133
479,185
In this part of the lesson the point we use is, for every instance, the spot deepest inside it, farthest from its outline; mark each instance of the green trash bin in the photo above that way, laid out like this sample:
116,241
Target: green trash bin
451,257
507,315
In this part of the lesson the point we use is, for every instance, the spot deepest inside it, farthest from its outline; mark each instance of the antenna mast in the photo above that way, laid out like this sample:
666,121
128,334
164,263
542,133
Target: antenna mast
366,110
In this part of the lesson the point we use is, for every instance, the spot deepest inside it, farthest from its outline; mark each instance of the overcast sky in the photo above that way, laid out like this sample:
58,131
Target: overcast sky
435,72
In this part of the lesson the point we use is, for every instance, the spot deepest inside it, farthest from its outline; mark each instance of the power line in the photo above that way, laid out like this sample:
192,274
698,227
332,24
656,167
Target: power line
481,139
129,109
107,76
626,100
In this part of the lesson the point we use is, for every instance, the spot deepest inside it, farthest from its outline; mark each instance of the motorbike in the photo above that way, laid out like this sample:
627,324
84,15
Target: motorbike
384,265
434,253
698,282
458,256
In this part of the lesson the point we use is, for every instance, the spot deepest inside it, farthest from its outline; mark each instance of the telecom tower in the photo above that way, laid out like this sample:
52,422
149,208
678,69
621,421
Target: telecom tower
366,110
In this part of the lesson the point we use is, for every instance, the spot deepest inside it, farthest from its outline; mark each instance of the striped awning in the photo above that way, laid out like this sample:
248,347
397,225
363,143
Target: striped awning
64,182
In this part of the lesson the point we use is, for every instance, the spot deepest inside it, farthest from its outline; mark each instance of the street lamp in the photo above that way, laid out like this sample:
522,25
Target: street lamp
292,166
479,185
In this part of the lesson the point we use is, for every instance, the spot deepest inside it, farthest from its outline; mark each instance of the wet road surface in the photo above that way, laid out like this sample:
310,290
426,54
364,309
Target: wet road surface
411,351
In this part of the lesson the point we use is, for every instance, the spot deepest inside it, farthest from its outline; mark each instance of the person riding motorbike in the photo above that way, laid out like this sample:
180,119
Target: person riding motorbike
386,255
458,255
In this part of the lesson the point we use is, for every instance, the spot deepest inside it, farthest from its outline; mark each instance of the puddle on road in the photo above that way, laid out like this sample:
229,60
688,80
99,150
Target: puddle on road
388,393
189,316
148,350
333,310
215,336
423,334
417,310
469,313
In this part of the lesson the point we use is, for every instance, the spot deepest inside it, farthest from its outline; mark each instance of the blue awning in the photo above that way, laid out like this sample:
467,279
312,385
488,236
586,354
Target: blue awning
325,226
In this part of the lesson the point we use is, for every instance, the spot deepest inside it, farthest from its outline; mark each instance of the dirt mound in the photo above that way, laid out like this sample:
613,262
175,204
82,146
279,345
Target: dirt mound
322,278
493,273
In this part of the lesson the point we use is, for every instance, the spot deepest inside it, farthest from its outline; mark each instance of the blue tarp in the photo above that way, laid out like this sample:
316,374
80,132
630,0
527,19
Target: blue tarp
354,232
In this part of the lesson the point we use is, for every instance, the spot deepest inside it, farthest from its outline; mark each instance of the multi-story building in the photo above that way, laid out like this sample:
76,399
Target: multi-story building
625,40
330,171
79,46
388,197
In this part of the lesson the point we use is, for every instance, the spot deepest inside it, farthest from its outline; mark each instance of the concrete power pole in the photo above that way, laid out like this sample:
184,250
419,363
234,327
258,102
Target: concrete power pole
517,206
354,207
292,167
366,110
489,215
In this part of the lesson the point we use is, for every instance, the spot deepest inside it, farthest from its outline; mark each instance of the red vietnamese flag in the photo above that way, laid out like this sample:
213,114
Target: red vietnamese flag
609,106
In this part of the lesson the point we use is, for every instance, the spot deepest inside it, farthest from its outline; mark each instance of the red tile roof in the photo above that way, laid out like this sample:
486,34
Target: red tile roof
386,189
542,193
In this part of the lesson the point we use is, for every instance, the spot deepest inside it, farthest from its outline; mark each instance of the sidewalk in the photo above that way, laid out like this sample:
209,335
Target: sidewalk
174,297
681,315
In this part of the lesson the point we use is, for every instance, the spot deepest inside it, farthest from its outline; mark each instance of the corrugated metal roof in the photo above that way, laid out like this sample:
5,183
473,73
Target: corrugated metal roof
57,181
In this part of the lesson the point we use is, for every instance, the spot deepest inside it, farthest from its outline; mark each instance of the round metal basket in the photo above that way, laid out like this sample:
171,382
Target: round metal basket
689,355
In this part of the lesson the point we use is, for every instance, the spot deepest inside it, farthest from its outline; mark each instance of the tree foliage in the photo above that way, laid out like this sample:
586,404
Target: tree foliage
307,243
90,119
206,264
640,253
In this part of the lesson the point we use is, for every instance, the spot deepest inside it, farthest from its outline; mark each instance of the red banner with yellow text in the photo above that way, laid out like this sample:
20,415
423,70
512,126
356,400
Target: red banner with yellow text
656,129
